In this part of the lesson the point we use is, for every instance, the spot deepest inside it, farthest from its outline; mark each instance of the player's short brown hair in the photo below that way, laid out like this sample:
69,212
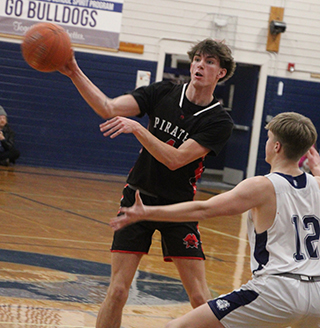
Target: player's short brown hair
219,50
295,132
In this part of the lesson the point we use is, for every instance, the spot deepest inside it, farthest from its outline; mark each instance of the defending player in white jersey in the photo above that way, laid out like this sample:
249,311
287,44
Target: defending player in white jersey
283,229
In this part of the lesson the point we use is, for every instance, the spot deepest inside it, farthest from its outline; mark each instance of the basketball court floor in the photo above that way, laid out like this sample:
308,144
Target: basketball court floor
55,257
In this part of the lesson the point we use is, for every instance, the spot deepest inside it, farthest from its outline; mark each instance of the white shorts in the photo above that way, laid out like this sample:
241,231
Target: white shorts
270,301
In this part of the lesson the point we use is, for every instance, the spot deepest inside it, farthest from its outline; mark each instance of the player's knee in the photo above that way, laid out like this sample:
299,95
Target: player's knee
197,299
119,294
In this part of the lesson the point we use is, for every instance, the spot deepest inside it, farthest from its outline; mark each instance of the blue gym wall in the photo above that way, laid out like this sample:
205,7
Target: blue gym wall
54,126
298,96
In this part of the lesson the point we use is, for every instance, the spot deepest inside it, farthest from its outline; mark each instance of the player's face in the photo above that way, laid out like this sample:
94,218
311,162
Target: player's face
205,70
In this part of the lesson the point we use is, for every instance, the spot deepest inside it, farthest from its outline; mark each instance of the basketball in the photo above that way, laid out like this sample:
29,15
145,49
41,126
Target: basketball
46,47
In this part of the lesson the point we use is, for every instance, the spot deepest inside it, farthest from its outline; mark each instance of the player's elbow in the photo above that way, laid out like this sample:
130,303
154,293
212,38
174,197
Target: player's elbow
102,111
174,162
108,109
173,165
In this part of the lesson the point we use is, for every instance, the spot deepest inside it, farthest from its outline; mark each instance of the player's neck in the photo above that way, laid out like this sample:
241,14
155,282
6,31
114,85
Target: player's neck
199,96
286,167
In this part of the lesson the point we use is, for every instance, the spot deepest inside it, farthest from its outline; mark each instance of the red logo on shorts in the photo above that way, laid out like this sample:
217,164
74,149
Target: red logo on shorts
191,241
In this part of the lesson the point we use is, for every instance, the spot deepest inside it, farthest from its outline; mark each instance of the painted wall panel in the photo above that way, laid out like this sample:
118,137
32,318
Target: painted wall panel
298,96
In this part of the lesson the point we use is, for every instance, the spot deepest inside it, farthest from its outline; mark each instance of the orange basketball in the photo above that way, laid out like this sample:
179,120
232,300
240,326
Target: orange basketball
46,47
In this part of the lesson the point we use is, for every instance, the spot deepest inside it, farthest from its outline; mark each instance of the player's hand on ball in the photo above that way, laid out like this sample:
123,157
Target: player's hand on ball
70,67
118,125
129,215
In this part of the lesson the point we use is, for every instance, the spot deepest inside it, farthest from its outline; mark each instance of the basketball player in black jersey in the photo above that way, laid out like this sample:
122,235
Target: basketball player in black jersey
186,123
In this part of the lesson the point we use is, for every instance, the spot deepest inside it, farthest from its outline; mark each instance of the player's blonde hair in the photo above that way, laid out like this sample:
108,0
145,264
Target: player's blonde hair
295,132
219,50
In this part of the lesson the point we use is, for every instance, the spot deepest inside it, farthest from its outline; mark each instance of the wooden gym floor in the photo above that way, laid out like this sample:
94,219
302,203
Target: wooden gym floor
54,253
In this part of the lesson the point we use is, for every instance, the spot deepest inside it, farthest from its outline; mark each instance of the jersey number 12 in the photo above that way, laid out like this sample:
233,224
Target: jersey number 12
311,240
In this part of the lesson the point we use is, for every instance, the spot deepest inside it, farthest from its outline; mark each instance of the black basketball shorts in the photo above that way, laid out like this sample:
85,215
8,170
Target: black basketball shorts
178,239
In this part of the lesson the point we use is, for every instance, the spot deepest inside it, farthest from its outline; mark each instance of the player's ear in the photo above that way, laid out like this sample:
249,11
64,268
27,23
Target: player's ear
222,73
277,146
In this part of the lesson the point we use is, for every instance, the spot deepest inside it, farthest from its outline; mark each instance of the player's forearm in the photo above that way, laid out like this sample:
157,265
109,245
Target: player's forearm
316,170
225,204
182,212
95,98
164,153
314,161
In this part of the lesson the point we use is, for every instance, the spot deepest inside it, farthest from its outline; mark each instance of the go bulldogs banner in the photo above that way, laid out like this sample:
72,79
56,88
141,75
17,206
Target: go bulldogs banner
88,22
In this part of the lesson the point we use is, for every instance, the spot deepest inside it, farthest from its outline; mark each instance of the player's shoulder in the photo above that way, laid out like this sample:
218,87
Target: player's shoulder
259,181
257,185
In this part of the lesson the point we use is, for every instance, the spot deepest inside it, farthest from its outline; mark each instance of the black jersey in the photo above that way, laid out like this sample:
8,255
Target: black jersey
173,119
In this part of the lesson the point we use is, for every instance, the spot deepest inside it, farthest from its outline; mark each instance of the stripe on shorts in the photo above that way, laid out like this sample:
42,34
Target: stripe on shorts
225,304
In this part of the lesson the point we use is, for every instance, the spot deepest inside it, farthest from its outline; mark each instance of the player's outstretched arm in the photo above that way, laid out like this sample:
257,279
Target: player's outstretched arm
250,193
104,106
171,157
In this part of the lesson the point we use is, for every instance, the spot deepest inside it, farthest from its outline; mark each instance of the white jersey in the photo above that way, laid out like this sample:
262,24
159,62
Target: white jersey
291,244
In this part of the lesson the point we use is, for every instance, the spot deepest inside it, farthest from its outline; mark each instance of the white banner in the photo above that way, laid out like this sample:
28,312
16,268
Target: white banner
88,22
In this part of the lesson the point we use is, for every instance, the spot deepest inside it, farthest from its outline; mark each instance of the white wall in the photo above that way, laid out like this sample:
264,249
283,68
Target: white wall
184,22
187,21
